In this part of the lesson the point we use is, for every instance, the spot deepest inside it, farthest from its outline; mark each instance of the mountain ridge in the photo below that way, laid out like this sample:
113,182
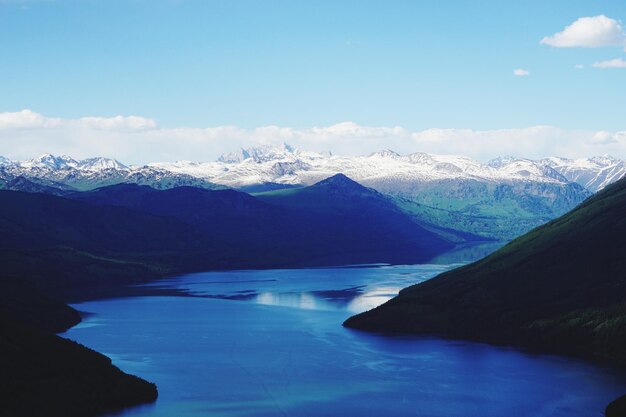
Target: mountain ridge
500,199
584,171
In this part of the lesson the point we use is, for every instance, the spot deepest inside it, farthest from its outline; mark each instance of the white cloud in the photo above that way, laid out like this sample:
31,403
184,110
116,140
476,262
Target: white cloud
604,137
26,119
579,66
116,123
520,72
137,140
612,63
589,32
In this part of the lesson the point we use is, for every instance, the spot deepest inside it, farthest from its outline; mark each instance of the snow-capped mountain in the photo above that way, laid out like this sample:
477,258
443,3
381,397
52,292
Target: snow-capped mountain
5,161
592,173
501,198
66,173
100,164
287,165
47,161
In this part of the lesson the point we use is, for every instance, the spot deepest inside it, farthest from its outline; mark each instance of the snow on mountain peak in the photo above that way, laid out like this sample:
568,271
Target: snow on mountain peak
529,168
99,164
385,153
501,161
5,161
50,161
604,160
385,170
258,154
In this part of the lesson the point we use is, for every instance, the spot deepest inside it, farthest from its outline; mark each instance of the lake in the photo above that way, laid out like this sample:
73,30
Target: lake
270,343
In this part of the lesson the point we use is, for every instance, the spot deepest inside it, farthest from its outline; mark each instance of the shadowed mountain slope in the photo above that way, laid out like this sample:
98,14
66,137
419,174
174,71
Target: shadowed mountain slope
336,221
45,375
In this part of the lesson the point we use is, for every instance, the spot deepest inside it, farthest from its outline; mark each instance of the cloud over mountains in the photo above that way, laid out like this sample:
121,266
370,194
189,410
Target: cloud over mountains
24,134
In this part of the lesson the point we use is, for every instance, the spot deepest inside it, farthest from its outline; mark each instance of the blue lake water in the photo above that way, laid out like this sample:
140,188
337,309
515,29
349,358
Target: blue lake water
270,343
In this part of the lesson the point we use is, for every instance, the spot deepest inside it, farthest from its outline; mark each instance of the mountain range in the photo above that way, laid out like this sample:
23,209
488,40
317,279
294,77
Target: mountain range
67,174
85,243
500,199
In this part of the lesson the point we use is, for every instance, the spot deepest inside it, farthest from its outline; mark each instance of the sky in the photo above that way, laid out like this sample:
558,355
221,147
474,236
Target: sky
164,80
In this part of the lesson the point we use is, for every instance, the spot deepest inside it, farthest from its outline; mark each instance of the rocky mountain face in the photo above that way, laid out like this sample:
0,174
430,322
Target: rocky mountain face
500,199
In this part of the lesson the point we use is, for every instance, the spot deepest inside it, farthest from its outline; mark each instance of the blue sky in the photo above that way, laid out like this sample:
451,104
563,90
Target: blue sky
300,64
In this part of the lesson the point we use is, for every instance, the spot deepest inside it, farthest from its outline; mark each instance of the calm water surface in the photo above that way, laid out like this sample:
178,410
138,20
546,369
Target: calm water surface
270,343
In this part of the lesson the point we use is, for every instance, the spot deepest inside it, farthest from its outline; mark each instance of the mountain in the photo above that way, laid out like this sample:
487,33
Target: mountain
338,193
592,173
560,287
100,164
48,161
347,224
126,233
500,199
497,200
90,244
31,186
351,215
260,154
226,216
68,249
67,173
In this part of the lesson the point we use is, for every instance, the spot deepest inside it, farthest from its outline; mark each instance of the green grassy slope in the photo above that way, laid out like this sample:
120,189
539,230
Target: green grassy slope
500,211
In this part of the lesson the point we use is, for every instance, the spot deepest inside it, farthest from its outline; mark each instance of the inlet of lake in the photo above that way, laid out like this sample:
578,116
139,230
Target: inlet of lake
270,343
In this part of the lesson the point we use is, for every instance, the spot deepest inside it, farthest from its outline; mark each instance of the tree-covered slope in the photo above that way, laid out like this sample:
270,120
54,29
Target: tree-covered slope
561,287
336,221
45,375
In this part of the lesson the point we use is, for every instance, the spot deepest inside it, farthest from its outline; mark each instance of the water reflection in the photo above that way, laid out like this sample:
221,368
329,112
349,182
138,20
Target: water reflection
349,289
372,298
304,300
350,299
468,252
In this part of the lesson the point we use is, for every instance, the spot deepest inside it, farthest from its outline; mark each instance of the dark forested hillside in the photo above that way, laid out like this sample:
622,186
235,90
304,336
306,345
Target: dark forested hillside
561,286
